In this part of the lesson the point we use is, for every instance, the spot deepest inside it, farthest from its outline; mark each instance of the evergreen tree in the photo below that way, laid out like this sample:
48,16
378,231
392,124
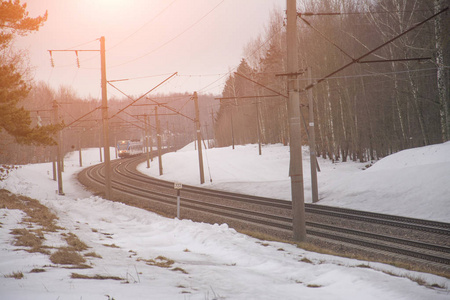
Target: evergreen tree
14,20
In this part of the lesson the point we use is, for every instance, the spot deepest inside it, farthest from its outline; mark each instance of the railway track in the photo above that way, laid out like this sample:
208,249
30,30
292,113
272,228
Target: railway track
407,240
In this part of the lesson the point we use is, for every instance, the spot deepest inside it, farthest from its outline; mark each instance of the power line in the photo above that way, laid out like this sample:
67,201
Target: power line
142,77
172,39
140,28
134,101
71,48
250,55
374,50
373,74
308,14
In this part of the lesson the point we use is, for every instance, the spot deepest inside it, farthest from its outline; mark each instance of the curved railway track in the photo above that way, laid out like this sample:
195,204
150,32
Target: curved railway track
407,240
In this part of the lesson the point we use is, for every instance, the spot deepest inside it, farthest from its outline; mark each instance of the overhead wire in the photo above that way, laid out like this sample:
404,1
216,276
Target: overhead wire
170,40
115,45
140,28
307,14
251,54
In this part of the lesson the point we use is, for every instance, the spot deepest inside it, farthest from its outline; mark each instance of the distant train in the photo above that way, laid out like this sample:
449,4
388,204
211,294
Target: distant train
127,148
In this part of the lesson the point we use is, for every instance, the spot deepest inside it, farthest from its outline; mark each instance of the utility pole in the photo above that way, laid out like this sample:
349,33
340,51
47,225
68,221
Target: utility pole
80,155
232,130
58,149
104,113
207,134
158,138
213,129
105,121
295,168
54,166
199,138
115,145
146,141
151,138
312,142
258,128
100,143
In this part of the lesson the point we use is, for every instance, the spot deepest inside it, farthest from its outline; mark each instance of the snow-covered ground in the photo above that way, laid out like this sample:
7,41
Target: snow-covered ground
214,261
412,183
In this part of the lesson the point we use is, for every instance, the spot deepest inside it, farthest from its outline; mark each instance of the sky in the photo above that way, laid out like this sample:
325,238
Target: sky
146,41
218,262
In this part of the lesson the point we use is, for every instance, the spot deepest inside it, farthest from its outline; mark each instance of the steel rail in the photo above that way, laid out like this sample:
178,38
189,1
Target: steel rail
377,218
168,197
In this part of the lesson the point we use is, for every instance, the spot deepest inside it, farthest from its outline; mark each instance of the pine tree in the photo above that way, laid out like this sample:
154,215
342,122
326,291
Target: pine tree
14,20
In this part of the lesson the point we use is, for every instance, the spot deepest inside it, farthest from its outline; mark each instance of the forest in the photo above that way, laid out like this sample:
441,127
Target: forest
394,99
83,127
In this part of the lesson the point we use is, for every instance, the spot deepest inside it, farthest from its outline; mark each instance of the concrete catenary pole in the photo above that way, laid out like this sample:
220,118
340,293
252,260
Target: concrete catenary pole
150,134
106,154
158,139
146,140
80,149
312,142
199,139
58,149
258,127
295,168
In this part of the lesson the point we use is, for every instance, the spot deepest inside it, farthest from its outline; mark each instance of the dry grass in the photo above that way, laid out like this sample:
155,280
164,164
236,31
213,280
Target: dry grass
93,254
15,275
96,276
163,262
67,256
180,270
111,245
5,170
37,270
74,242
35,211
364,266
160,261
26,238
39,215
305,260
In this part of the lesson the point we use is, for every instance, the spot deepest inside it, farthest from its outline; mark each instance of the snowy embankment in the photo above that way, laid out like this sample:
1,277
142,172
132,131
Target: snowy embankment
161,258
412,183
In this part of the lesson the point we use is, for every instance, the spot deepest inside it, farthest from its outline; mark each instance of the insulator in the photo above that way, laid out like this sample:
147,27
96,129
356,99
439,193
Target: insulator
51,59
78,59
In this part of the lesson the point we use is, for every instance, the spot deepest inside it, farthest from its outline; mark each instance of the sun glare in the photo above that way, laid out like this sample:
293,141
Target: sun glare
109,7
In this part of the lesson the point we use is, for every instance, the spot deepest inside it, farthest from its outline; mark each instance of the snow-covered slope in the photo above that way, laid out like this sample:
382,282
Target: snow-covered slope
412,183
209,261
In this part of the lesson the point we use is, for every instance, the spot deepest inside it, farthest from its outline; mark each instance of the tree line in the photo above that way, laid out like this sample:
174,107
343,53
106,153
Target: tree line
82,125
394,99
